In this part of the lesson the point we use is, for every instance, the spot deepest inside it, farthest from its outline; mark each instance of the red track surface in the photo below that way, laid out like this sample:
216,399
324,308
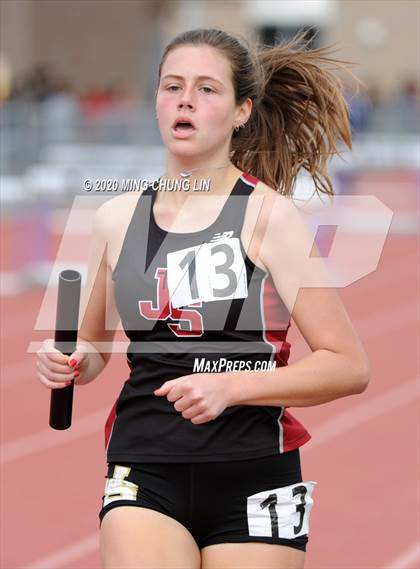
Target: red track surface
364,453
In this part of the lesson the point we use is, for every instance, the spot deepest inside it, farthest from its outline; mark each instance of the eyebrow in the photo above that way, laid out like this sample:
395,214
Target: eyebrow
198,77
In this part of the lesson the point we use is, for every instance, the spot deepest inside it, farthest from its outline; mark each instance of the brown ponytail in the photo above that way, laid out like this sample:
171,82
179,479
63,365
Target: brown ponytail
299,111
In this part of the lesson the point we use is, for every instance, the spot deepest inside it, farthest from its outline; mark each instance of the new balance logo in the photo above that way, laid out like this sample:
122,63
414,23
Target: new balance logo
219,236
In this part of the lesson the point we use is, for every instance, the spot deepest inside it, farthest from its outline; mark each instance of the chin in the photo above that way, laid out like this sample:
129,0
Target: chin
185,150
190,148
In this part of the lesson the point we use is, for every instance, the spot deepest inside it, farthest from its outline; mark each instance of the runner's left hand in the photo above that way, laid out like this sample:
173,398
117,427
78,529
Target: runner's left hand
200,397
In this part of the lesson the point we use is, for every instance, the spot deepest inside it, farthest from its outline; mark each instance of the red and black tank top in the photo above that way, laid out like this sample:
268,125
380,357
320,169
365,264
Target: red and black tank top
195,303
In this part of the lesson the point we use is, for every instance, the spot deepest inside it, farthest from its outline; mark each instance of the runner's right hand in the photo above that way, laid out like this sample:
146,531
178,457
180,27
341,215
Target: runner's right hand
53,368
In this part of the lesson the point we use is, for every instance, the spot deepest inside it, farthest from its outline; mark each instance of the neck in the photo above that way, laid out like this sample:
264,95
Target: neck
219,173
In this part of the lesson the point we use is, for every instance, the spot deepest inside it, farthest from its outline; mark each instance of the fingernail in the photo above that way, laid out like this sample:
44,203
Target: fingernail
72,362
76,374
68,383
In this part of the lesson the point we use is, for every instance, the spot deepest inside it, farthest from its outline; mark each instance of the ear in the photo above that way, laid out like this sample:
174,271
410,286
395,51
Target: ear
243,112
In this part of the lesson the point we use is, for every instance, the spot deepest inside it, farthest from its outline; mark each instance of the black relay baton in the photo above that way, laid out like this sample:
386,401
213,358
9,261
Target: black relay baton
65,340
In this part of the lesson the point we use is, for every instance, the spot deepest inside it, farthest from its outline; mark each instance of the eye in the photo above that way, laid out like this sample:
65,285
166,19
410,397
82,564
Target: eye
172,87
208,90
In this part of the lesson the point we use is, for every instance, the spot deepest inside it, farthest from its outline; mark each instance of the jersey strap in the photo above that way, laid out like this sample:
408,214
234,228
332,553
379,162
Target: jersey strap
236,209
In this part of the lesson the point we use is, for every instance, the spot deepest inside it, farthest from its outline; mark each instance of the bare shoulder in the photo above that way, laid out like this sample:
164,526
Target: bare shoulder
113,216
276,210
265,226
111,222
287,234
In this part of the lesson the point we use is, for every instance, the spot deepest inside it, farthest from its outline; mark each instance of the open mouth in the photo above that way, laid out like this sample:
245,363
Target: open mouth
183,125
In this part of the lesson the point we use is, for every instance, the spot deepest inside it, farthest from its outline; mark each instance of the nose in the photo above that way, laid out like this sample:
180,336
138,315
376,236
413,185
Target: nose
186,98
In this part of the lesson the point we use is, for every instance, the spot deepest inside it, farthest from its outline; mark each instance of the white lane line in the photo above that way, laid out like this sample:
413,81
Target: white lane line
327,431
50,438
406,559
67,554
346,420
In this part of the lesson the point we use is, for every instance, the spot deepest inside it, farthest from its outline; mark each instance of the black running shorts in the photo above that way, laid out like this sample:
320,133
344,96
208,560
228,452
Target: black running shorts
253,500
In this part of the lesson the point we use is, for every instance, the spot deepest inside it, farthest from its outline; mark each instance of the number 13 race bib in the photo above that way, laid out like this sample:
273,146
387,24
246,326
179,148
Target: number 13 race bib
281,512
208,272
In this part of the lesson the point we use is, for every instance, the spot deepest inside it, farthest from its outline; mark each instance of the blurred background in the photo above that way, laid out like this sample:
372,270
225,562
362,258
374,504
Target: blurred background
77,82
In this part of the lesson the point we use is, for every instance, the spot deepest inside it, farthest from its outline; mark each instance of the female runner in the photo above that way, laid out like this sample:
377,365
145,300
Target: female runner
203,456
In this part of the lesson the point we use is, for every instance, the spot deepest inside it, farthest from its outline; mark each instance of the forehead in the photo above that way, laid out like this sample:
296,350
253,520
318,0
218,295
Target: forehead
188,62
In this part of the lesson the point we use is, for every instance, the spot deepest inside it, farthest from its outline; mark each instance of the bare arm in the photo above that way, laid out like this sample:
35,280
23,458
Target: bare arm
338,365
54,370
100,316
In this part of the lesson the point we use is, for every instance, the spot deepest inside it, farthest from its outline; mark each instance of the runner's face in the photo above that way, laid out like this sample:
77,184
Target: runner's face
208,101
